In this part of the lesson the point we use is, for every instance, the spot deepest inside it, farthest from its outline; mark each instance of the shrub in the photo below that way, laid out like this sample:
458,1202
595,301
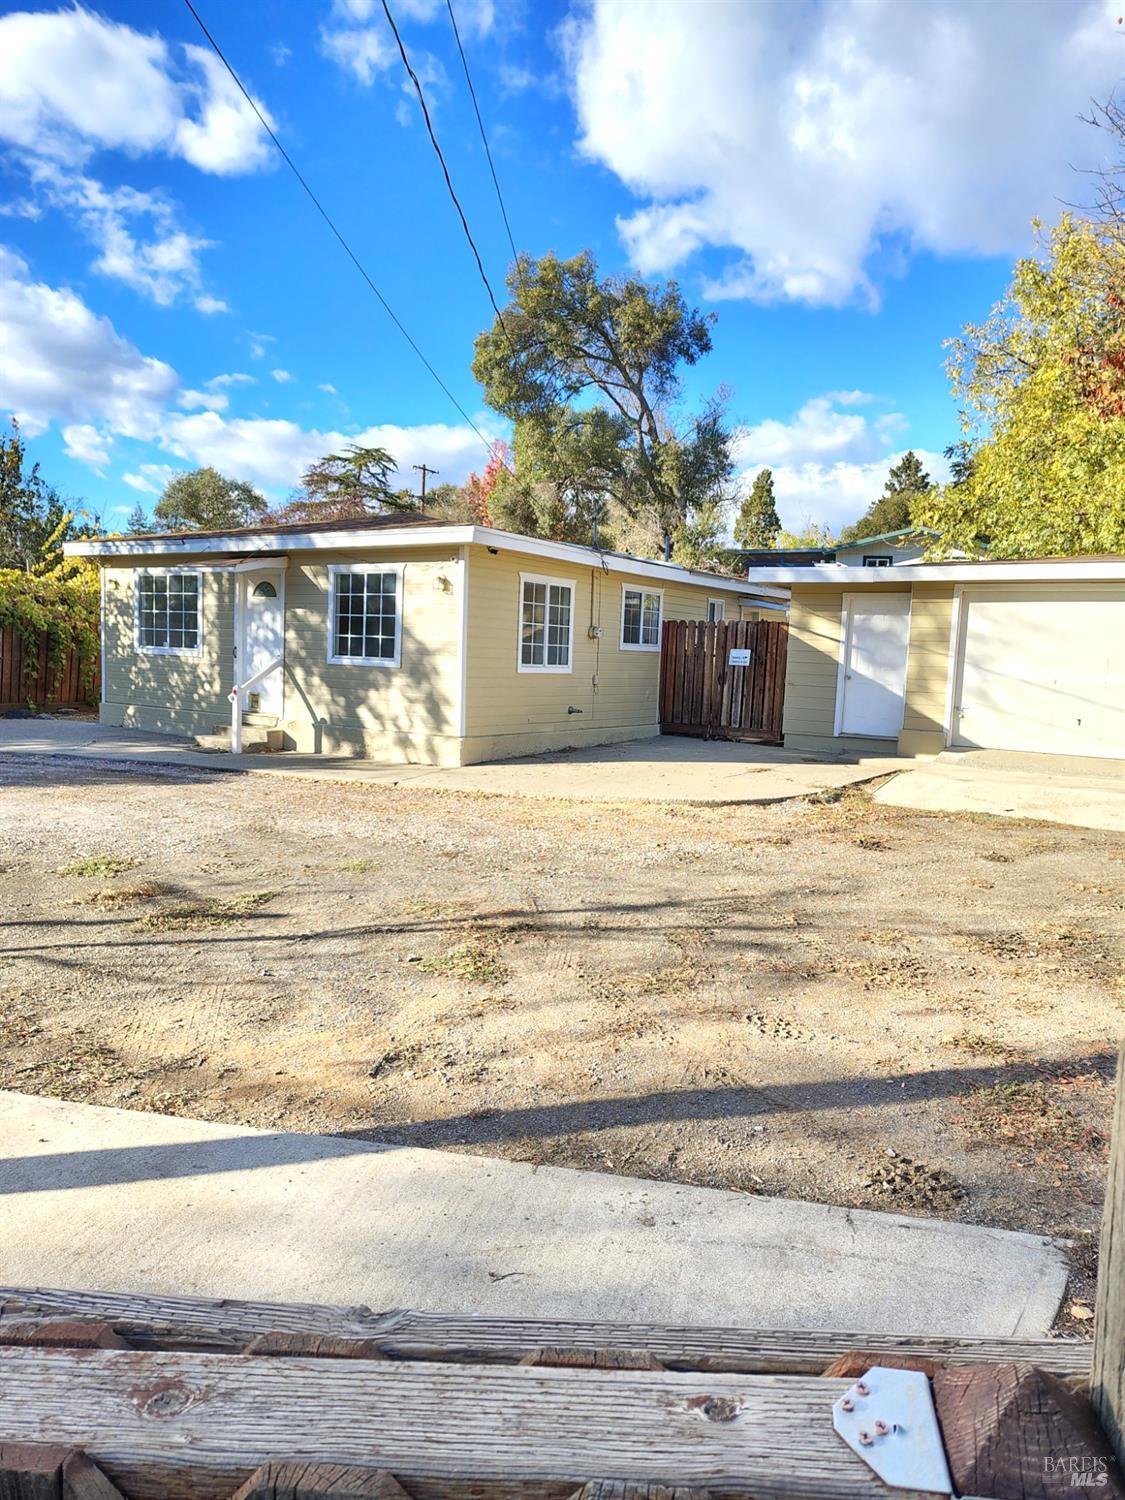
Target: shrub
64,607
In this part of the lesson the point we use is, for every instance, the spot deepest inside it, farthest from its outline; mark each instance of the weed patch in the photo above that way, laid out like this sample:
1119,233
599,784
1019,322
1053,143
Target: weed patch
213,913
104,864
477,960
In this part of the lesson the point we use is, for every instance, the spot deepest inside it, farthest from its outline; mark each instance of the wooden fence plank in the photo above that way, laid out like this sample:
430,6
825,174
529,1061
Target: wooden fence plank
41,686
403,1334
1108,1389
702,694
192,1426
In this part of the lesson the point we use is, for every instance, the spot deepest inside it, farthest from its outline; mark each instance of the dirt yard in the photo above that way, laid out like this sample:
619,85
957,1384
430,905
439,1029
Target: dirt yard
829,999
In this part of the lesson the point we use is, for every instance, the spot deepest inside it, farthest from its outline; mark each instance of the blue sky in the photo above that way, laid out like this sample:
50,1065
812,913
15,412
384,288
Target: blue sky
845,183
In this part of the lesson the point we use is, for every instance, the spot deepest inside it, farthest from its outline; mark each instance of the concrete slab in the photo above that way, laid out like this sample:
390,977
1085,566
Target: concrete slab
107,1199
1083,792
669,768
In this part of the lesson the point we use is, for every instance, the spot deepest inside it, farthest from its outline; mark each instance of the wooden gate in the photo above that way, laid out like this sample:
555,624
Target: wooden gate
707,691
26,676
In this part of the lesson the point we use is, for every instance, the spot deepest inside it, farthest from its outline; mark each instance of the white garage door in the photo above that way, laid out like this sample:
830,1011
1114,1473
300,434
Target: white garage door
1043,670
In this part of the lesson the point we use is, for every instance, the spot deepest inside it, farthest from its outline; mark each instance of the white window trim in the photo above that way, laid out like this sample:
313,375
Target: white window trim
334,571
633,588
197,649
566,583
721,604
877,560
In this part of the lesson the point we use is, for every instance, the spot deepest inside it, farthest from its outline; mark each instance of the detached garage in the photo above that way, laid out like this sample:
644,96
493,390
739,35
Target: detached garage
1026,656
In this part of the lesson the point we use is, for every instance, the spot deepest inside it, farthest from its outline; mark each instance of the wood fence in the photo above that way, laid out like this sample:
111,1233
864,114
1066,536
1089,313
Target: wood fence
38,684
723,681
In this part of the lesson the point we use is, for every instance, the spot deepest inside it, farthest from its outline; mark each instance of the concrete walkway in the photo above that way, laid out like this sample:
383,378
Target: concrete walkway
1085,793
669,768
108,1199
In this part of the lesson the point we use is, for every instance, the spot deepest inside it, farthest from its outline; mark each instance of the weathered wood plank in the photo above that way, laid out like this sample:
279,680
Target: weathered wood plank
1108,1379
608,1489
148,1321
305,1345
188,1426
304,1481
50,1471
62,1333
591,1359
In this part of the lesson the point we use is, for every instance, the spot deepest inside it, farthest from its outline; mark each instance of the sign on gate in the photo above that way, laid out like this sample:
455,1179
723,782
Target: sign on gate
739,658
723,679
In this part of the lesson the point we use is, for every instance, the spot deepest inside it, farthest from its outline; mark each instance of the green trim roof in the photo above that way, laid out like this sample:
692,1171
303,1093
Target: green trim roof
886,536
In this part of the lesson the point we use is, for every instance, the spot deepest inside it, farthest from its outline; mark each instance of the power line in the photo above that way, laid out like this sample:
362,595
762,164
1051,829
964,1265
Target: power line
324,214
445,170
480,123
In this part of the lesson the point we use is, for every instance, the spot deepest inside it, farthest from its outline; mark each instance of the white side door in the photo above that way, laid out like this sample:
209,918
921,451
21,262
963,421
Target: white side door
264,638
871,691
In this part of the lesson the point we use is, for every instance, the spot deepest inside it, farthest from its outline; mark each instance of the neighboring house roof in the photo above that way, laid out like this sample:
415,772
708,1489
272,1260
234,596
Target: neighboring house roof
760,557
911,532
1014,570
401,529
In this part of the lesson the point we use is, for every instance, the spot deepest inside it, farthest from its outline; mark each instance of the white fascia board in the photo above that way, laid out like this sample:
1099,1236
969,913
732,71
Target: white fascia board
267,542
1071,570
411,536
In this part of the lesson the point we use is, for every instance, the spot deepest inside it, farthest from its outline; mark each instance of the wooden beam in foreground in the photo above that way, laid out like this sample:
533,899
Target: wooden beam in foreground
195,1426
1108,1376
194,1322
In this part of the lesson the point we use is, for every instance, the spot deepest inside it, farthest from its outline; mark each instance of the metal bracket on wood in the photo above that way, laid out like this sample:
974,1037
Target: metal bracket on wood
888,1419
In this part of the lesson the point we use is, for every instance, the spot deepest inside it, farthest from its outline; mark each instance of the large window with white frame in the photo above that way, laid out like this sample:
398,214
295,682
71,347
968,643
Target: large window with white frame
546,641
641,614
365,614
716,611
168,612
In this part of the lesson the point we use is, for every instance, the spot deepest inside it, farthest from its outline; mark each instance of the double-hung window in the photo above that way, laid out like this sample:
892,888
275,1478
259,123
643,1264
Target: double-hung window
365,614
168,619
641,610
546,624
716,611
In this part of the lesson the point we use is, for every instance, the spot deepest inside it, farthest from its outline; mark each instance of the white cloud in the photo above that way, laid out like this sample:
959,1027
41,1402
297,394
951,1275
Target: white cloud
74,82
204,400
283,377
328,388
59,361
259,344
85,443
161,264
208,305
804,137
218,382
150,479
362,50
829,461
351,40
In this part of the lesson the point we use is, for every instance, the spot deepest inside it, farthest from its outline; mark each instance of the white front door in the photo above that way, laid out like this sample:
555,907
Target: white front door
872,685
264,638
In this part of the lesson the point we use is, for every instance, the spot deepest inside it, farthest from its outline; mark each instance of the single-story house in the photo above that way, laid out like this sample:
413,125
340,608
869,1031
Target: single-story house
1000,655
396,637
880,551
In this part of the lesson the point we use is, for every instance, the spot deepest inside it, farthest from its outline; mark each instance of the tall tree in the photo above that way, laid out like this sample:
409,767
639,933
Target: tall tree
347,486
34,519
757,523
1041,387
139,521
570,344
894,510
205,500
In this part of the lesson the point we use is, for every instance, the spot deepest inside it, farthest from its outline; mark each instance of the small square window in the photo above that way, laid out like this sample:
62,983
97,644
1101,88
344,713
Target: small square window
641,613
168,613
365,617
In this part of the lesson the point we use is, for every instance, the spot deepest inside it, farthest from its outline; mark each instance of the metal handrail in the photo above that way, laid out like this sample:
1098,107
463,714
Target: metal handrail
236,696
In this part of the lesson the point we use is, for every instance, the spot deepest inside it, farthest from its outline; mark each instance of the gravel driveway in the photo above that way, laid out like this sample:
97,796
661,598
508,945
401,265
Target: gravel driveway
831,999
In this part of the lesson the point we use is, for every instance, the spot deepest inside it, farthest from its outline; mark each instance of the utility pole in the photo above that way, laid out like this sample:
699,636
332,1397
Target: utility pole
424,471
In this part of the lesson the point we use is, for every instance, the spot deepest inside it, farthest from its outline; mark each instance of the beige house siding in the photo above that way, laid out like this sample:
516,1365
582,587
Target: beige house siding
816,623
169,694
614,691
927,669
408,712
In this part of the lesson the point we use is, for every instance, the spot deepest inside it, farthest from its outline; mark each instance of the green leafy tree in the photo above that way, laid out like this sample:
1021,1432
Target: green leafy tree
588,370
205,500
757,523
811,534
347,486
34,519
1041,386
894,510
139,521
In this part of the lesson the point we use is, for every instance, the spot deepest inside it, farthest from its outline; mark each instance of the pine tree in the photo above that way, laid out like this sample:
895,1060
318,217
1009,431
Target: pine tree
138,522
757,523
906,484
